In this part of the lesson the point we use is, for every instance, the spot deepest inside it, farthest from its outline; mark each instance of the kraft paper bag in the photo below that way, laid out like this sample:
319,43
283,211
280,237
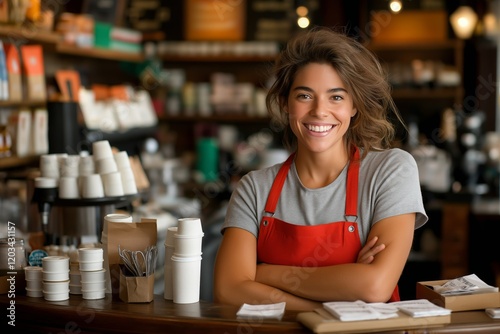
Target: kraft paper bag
135,289
135,236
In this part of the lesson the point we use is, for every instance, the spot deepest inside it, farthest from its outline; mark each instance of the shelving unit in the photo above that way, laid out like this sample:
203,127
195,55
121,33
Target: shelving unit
53,42
449,52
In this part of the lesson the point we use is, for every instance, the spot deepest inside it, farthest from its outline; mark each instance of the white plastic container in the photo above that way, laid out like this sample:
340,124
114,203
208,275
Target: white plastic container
91,266
55,264
90,254
55,276
99,294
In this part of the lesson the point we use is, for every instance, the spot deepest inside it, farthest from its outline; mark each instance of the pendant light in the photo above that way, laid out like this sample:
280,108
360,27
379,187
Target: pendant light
463,22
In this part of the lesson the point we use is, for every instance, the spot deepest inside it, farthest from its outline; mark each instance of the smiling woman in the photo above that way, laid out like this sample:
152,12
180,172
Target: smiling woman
335,221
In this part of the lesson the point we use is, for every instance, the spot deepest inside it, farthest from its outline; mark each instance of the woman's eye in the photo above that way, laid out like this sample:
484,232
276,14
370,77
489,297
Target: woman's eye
304,96
337,98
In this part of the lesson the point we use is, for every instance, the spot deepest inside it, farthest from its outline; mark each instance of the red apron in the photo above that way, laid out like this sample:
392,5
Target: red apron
321,245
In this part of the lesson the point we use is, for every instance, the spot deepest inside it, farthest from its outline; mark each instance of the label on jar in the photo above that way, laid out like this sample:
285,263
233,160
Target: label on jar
36,256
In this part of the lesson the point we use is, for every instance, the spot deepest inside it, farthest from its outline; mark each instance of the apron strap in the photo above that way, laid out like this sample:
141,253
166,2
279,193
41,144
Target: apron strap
279,181
351,203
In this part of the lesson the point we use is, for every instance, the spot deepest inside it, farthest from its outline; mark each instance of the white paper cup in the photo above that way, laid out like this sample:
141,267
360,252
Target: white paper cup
75,289
170,238
33,273
57,296
93,276
86,166
99,294
49,166
91,266
189,227
186,274
106,165
167,275
112,183
128,181
34,293
55,276
34,284
54,264
55,287
122,160
90,254
70,166
92,186
101,150
187,246
68,187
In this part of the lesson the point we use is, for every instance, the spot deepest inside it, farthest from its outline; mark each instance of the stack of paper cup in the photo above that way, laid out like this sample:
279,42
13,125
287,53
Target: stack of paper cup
93,283
115,218
106,167
169,252
126,173
49,166
55,278
186,261
75,286
33,275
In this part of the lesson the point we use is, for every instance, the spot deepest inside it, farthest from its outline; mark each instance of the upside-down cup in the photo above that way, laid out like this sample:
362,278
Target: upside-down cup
189,227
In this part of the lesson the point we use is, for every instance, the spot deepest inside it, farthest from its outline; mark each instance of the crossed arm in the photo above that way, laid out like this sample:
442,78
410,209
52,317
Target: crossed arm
238,279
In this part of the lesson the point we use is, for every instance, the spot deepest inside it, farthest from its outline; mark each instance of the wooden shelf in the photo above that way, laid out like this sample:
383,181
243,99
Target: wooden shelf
65,48
426,93
236,118
32,34
219,58
29,33
10,162
444,45
16,104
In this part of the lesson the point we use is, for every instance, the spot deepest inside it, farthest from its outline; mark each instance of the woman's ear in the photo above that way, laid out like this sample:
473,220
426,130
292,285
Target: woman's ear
354,112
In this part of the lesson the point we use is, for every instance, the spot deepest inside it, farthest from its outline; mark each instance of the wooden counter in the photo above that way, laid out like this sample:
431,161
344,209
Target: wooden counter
76,315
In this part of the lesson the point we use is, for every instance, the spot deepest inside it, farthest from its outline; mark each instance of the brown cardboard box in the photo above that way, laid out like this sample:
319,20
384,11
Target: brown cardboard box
457,303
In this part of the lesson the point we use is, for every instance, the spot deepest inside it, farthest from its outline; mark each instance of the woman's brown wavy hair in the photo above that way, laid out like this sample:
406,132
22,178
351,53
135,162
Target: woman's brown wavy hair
360,71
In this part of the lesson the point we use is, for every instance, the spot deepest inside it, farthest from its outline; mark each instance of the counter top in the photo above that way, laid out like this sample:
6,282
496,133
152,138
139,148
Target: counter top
108,315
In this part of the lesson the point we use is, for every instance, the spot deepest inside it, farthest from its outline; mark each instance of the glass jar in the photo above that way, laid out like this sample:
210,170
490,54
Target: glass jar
12,254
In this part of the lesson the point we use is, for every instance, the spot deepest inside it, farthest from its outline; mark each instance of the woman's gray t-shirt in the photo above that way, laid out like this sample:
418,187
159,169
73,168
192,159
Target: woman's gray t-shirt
388,186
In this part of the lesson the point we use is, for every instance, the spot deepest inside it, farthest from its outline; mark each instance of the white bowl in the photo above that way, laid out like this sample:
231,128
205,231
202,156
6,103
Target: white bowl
33,273
55,276
56,296
93,276
91,266
55,263
55,287
99,294
90,254
93,286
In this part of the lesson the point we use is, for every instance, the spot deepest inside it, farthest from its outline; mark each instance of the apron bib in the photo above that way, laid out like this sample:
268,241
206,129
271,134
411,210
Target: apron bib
322,245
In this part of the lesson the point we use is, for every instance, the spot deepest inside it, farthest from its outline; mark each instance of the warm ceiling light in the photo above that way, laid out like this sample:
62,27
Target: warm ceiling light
302,11
463,21
303,22
396,6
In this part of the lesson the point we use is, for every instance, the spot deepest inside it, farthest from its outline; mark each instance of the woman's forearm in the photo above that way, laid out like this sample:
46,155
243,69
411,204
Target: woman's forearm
251,292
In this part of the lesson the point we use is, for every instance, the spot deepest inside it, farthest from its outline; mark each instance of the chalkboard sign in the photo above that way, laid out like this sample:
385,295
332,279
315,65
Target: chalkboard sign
155,16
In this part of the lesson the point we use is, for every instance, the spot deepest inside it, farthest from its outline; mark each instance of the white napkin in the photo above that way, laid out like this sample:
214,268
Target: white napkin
262,311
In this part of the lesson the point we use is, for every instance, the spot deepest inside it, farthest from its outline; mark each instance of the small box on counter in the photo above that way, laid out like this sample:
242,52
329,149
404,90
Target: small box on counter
135,289
466,302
